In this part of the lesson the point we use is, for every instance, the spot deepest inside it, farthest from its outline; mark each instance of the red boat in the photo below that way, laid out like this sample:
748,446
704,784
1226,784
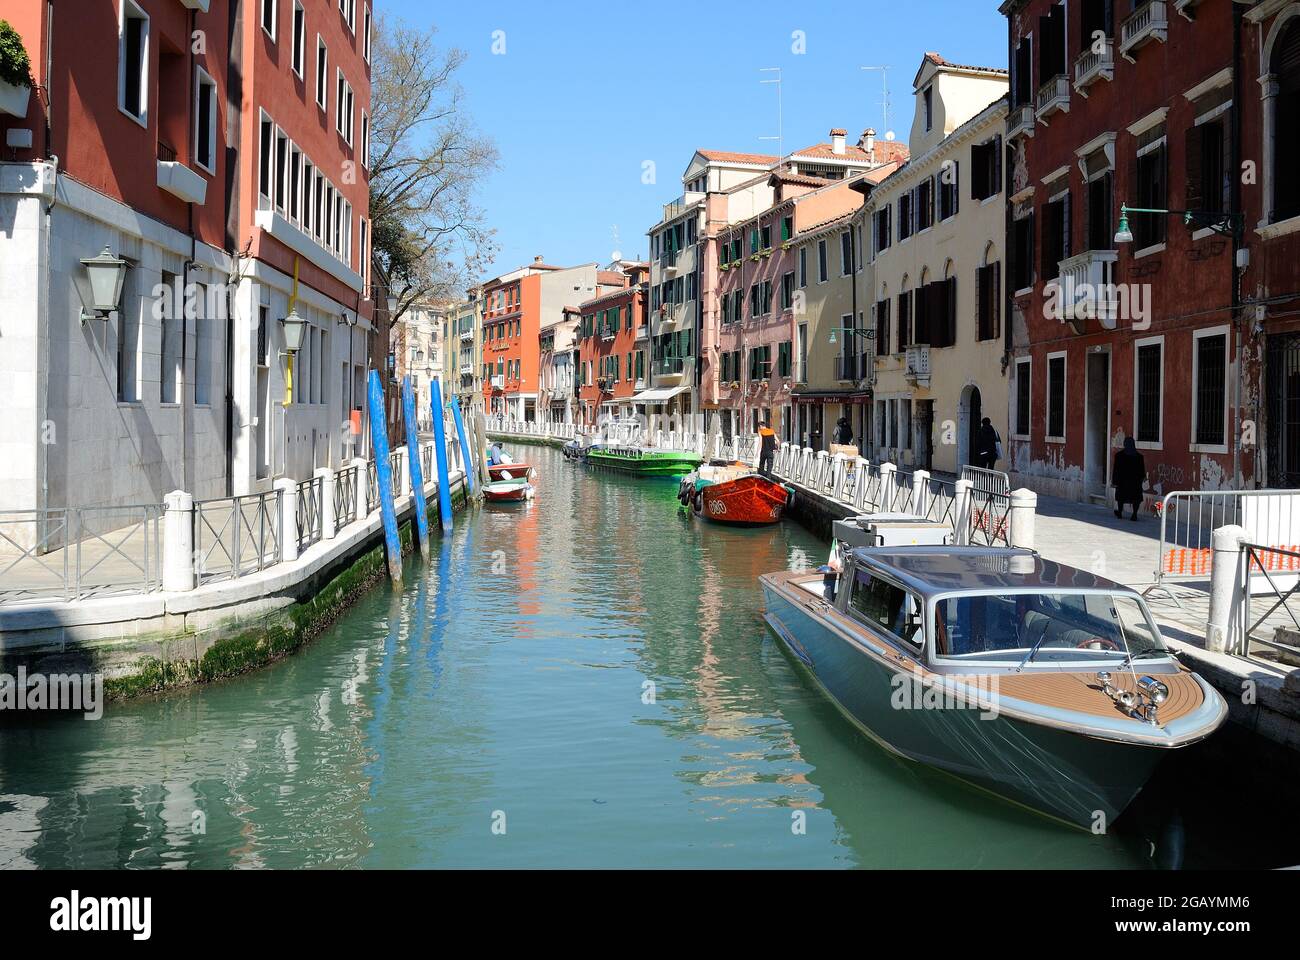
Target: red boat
517,471
508,491
734,493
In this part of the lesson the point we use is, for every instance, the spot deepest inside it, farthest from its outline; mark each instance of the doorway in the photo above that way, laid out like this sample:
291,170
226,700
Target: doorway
1096,429
1282,428
970,412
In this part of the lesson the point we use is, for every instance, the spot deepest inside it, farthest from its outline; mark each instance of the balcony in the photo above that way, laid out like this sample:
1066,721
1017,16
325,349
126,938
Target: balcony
200,5
1092,66
1187,9
679,206
643,332
668,369
466,369
607,333
467,336
1020,121
1148,22
178,179
1054,95
917,369
1085,289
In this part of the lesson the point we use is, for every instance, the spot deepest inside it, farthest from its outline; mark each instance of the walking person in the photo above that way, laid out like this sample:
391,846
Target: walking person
1128,474
988,445
767,451
843,432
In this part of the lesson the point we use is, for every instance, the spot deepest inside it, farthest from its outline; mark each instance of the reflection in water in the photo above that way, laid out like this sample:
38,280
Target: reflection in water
506,684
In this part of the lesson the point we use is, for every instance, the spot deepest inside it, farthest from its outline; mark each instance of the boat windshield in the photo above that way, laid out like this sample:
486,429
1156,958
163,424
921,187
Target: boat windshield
1045,627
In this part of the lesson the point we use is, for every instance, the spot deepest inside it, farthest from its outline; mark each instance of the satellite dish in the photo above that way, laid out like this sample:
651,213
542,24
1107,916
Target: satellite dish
616,255
889,135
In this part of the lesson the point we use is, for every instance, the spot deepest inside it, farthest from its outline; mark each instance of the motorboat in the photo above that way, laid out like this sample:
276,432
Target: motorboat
512,471
734,493
508,491
642,461
1047,685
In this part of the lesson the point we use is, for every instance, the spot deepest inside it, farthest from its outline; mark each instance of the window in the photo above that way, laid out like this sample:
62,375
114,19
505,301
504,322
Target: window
1150,179
365,141
205,121
365,42
925,204
1051,49
1056,234
308,191
765,237
299,38
1100,178
1056,396
363,251
904,320
1148,390
1024,371
1209,380
881,220
281,169
270,11
349,10
948,183
1022,252
905,216
783,358
882,329
986,169
343,107
1207,179
801,375
803,267
322,72
787,228
823,267
133,62
128,342
295,182
928,98
1285,108
265,164
1022,73
787,291
846,252
988,281
883,606
169,351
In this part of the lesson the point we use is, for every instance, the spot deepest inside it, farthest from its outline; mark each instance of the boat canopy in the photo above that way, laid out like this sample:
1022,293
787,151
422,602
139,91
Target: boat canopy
662,395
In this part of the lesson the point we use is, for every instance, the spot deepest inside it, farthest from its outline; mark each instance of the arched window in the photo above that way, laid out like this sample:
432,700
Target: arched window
1285,68
904,323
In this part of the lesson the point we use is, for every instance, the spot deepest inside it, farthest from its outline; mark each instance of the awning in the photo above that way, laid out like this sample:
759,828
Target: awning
658,396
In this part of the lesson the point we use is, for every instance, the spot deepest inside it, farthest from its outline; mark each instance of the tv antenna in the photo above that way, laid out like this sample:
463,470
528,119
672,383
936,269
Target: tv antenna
884,97
780,114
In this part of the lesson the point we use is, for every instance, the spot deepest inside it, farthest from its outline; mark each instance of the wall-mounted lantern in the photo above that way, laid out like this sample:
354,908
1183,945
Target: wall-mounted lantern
294,327
106,274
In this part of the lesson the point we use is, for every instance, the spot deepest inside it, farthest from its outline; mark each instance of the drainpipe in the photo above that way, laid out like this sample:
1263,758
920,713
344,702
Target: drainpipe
1238,236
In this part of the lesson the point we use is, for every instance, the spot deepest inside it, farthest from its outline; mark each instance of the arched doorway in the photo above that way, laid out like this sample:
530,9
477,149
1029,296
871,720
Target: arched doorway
969,414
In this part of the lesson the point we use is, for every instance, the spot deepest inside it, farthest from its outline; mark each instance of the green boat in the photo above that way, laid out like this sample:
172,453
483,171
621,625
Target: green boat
644,461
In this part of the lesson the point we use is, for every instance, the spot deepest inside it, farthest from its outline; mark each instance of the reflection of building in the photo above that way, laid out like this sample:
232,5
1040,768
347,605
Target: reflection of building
934,232
613,338
178,158
517,306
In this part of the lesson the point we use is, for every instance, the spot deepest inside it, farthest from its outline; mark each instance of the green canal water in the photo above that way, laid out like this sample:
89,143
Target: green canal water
584,681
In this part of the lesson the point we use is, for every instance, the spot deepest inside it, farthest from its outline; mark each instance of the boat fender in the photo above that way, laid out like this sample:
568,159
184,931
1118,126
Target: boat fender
697,502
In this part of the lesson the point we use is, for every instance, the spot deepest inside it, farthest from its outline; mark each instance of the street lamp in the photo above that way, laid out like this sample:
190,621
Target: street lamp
106,274
854,331
294,328
1224,224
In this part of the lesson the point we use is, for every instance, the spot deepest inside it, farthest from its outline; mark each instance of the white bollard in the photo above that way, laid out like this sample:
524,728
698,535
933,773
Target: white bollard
327,525
178,542
886,502
919,490
961,512
1024,507
288,518
362,485
1228,588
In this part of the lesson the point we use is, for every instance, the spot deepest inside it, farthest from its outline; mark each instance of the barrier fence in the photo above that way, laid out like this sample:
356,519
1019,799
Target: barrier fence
235,536
1277,629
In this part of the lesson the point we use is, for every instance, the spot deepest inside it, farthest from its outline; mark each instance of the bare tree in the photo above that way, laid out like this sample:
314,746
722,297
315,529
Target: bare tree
427,161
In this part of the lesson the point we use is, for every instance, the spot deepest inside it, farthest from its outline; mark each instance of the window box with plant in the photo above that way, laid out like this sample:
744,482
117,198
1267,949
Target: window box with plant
15,72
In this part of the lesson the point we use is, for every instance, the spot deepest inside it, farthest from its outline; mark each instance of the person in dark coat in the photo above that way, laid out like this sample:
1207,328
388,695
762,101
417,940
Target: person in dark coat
843,432
1128,475
986,445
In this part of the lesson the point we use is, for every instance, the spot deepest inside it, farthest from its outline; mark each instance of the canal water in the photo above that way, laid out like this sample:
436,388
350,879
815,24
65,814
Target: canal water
583,681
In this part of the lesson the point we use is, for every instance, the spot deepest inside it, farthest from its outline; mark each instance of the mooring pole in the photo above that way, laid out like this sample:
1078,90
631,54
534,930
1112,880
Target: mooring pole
440,451
464,446
384,476
480,458
417,468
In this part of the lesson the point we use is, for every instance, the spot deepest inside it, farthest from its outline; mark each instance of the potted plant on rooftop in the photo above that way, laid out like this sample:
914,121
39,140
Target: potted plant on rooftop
15,72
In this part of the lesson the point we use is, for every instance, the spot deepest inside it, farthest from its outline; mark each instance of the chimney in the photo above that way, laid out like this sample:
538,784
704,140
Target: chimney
837,140
868,142
538,259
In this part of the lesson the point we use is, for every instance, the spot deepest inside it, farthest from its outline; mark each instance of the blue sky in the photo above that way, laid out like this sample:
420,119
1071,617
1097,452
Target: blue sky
586,92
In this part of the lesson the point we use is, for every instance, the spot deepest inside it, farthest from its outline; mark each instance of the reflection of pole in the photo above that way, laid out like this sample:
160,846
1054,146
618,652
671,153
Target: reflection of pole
440,452
417,468
384,476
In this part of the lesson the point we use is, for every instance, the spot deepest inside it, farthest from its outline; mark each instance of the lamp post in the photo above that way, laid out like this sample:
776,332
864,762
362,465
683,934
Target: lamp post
294,328
1223,223
106,273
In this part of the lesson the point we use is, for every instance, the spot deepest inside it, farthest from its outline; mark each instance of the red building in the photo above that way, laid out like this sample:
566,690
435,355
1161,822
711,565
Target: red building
1115,103
613,338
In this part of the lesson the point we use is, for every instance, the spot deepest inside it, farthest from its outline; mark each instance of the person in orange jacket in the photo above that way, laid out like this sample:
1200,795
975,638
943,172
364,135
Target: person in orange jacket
767,450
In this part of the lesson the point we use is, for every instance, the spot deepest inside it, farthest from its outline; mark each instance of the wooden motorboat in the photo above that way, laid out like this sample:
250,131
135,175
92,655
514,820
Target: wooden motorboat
512,471
734,493
508,491
1044,684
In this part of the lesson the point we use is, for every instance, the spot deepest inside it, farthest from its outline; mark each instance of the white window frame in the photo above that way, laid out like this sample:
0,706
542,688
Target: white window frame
263,119
349,10
1229,363
203,78
1158,444
368,19
1028,364
365,141
298,54
322,74
1065,397
136,11
274,32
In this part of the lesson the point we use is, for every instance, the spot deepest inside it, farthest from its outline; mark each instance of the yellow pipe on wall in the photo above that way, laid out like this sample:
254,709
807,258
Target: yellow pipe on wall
288,369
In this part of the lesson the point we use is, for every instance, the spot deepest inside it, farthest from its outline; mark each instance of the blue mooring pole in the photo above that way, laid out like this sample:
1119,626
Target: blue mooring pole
417,468
384,476
440,451
464,447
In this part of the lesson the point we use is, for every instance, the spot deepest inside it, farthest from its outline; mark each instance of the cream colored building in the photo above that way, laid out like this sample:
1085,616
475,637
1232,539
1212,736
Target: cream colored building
934,285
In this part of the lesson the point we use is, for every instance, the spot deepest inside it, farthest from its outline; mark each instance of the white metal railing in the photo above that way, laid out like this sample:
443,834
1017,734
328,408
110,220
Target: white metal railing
234,536
1267,576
